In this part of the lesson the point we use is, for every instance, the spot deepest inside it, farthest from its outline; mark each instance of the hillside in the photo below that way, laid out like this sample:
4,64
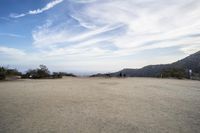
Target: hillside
177,69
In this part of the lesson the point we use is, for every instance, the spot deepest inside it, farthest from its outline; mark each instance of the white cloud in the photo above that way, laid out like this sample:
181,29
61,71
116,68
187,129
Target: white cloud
84,24
191,48
11,35
148,21
12,52
37,11
45,35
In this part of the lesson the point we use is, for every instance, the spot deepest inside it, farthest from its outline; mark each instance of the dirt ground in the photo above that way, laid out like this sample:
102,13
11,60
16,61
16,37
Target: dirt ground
99,105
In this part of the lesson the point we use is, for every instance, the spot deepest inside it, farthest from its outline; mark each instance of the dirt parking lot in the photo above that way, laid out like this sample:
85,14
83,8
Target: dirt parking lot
98,105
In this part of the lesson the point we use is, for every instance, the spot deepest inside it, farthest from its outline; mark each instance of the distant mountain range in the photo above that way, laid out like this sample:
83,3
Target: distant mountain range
179,69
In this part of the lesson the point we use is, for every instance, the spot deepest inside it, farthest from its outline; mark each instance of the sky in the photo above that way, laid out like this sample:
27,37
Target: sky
88,36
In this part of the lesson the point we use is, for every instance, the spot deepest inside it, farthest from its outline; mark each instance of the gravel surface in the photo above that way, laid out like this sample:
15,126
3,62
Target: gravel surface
99,105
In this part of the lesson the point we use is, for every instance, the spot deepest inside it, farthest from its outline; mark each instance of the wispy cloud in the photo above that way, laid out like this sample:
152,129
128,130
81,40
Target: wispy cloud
13,52
150,25
45,35
12,35
37,11
148,21
84,23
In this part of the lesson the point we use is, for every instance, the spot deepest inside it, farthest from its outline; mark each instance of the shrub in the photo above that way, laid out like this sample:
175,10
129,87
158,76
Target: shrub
56,75
2,73
67,74
174,72
5,72
2,76
41,72
13,72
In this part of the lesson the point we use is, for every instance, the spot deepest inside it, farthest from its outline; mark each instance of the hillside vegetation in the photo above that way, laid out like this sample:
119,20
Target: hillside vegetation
179,69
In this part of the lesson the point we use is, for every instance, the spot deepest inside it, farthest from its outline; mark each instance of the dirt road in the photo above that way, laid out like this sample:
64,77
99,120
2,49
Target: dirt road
97,105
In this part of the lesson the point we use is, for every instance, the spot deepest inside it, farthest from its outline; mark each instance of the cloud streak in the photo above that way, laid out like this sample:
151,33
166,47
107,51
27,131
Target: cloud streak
11,35
45,35
149,25
147,21
37,11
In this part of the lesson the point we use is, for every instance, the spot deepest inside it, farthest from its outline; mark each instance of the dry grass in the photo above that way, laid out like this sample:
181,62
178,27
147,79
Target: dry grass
97,105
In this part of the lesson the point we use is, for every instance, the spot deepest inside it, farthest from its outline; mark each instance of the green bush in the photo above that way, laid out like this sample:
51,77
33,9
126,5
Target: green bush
56,75
174,73
5,72
13,72
2,76
40,73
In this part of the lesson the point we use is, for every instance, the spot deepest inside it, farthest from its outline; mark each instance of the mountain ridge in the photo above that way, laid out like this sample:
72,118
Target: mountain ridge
179,68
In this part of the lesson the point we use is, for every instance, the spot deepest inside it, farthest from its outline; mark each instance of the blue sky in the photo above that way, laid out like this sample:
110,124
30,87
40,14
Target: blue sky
97,35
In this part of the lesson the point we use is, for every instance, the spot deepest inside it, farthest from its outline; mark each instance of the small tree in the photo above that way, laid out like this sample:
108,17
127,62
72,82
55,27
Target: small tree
2,73
13,72
30,74
43,71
